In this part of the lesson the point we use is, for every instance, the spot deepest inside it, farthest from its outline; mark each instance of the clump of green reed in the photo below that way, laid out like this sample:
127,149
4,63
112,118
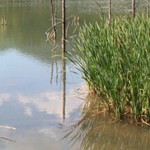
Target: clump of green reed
115,61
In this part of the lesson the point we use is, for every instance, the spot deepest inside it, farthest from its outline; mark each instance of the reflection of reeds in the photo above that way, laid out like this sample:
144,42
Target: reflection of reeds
3,24
3,21
75,21
95,132
51,34
3,29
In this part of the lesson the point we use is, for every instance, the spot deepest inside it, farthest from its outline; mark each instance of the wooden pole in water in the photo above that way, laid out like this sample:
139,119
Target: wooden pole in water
133,8
147,7
53,10
109,10
63,55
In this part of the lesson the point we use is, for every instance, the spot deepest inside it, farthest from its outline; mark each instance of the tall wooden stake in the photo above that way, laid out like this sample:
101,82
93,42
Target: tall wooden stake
54,11
63,55
147,9
133,8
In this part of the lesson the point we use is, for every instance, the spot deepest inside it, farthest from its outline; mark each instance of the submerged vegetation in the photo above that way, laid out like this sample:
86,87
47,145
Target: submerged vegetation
114,59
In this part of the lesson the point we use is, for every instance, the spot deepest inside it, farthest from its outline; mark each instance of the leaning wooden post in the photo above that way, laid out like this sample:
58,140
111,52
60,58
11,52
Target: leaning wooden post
133,8
63,56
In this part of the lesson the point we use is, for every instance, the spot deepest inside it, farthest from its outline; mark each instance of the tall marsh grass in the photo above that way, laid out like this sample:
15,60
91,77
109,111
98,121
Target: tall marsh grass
115,62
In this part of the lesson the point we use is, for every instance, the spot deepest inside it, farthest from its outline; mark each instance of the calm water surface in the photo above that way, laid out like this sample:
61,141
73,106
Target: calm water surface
31,87
30,97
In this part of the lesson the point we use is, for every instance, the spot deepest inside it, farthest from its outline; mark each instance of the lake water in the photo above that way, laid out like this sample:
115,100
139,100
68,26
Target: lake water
31,86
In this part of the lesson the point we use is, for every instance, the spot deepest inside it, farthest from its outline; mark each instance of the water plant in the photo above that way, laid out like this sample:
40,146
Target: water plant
114,60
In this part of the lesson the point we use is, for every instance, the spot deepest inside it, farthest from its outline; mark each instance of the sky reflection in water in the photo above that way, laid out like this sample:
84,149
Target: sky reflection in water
31,104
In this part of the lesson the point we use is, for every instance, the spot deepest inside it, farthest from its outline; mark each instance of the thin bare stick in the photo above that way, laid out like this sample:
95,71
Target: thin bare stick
109,11
145,122
4,138
98,4
53,9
